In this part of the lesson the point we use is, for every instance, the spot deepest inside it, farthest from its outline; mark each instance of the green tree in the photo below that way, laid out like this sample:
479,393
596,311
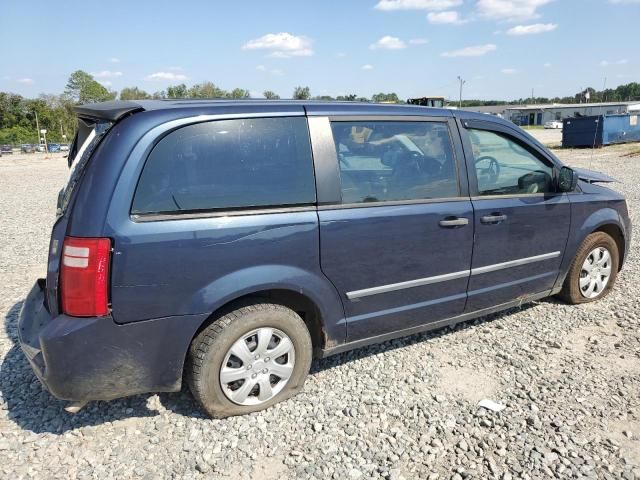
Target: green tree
301,93
385,97
239,93
347,98
324,98
269,95
177,91
83,88
133,93
206,90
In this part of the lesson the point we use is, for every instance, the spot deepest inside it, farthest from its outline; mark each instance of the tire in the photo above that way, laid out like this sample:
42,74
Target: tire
571,291
212,347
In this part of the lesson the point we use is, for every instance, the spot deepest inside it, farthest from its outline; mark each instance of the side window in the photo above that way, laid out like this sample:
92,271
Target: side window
386,160
504,167
225,164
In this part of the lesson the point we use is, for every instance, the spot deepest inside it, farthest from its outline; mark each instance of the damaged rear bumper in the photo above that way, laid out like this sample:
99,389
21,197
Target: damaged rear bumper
81,359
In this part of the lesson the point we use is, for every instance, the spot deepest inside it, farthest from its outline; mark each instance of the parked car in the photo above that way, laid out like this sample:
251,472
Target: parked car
53,147
6,149
64,147
553,124
40,148
27,148
249,237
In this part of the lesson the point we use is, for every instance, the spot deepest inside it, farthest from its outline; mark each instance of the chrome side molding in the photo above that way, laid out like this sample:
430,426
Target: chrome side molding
365,292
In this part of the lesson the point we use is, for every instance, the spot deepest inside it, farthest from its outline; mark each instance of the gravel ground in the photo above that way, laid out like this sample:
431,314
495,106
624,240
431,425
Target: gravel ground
569,377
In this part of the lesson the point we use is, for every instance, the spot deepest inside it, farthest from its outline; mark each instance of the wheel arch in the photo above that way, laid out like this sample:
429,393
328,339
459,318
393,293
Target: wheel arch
604,220
615,232
294,300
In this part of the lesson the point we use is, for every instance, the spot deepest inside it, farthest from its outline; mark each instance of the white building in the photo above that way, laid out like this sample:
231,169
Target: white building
539,114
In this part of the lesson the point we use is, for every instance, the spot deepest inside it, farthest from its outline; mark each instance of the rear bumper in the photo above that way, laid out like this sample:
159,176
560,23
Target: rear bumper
84,359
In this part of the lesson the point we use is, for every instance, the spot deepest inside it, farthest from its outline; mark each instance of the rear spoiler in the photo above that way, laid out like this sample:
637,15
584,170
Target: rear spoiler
107,111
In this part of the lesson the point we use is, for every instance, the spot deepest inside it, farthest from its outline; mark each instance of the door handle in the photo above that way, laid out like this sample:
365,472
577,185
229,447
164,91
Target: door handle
493,218
450,222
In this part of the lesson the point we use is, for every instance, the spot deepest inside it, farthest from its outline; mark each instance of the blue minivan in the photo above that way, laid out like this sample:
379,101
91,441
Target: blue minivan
231,242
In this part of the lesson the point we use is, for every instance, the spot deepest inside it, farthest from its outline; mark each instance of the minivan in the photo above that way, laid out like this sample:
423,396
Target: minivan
231,242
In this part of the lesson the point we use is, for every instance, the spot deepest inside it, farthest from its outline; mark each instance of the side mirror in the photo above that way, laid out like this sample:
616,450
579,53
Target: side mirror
567,180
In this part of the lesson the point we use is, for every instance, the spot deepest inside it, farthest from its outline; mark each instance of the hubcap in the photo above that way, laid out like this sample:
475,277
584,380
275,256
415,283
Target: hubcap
257,366
595,272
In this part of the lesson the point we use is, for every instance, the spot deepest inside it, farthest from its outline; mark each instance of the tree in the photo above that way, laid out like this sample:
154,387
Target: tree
206,90
83,88
133,93
301,93
238,93
269,95
347,98
177,91
324,98
385,97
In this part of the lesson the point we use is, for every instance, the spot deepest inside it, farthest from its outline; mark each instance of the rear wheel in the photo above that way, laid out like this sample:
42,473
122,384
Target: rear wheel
249,359
593,271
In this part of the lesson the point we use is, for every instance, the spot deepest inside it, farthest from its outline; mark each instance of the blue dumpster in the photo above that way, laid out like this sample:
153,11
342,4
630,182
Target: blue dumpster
600,130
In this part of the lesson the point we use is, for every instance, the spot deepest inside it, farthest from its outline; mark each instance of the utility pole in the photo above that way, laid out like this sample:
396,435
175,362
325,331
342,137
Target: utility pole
462,82
37,126
532,97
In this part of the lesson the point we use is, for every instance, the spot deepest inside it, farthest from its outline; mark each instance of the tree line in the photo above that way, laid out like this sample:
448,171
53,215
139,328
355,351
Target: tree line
55,112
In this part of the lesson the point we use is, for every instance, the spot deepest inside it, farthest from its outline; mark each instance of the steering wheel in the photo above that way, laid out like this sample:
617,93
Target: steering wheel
491,170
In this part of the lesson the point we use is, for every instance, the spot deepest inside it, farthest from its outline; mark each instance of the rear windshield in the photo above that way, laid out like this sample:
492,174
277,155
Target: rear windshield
85,142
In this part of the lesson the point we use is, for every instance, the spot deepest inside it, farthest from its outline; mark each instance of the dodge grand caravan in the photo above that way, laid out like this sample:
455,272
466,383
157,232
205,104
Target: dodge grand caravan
229,243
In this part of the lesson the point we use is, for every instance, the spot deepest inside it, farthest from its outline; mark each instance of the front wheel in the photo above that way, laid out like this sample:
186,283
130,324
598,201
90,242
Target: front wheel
249,359
593,271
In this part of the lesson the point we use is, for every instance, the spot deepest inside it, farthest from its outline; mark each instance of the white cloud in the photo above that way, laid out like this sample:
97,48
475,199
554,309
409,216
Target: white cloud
281,45
389,5
547,65
114,60
510,9
508,71
418,41
449,16
604,63
388,43
273,71
367,67
166,76
473,51
622,61
26,81
532,29
106,74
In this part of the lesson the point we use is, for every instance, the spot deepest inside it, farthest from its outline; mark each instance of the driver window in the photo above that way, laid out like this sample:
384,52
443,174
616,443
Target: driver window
390,161
504,167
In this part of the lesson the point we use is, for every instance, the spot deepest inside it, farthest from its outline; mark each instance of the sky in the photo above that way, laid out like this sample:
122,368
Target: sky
502,49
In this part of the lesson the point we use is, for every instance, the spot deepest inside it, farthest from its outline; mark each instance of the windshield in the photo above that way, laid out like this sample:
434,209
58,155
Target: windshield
85,142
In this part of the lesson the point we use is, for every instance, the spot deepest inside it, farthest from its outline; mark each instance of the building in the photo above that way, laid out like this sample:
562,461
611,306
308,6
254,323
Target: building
539,114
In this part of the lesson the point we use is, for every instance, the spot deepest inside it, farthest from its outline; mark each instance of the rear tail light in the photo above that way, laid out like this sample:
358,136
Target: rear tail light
84,276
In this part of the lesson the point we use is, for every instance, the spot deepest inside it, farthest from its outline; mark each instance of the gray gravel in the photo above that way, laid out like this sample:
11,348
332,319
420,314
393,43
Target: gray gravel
569,377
